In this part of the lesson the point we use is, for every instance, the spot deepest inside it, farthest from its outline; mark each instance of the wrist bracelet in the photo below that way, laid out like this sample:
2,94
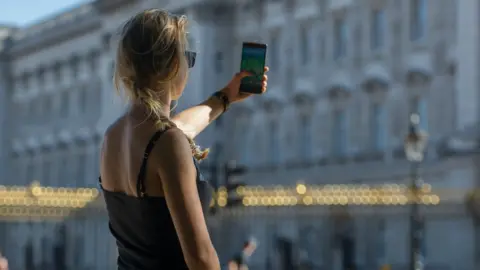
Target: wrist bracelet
223,98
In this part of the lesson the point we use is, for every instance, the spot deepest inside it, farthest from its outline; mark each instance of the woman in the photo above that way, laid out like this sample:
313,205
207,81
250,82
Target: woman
3,263
155,196
240,260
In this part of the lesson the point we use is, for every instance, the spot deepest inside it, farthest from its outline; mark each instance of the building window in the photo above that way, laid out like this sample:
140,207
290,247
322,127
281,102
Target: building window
75,67
274,140
111,74
242,140
378,126
419,106
30,170
48,106
47,171
37,108
219,62
304,45
46,254
29,260
380,232
94,61
57,72
322,48
64,170
305,138
64,103
80,168
418,19
83,98
340,132
377,30
274,52
340,40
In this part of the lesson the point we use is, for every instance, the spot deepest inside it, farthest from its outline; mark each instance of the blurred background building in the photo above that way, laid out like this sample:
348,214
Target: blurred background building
344,77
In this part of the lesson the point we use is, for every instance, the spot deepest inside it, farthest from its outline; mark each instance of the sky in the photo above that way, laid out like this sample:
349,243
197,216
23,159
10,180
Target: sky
26,12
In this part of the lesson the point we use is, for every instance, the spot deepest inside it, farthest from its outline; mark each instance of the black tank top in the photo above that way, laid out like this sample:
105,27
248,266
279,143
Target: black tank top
143,227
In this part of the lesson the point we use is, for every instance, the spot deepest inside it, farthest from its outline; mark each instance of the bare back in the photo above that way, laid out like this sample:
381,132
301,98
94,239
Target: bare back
122,153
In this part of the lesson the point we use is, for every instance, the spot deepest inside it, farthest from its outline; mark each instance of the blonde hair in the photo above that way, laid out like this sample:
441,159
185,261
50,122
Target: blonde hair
150,58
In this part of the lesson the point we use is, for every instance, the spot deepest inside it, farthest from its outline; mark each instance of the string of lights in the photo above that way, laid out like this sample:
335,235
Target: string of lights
39,202
312,195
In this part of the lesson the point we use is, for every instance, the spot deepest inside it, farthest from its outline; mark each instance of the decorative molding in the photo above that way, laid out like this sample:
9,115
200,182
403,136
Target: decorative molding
32,144
273,101
419,69
65,137
84,135
340,85
304,96
48,141
376,78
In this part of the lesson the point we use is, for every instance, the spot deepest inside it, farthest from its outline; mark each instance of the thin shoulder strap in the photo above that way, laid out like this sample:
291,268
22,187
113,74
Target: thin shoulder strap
143,169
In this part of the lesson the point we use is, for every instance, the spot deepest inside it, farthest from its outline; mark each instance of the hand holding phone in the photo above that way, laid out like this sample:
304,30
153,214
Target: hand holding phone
253,61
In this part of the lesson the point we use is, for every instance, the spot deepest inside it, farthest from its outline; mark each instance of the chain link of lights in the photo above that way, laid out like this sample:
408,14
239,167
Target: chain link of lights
311,195
35,201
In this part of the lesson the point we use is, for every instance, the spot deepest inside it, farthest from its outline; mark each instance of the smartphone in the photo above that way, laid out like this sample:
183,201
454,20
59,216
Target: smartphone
253,60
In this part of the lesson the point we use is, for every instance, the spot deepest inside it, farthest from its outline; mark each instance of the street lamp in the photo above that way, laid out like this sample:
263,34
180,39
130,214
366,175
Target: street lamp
415,144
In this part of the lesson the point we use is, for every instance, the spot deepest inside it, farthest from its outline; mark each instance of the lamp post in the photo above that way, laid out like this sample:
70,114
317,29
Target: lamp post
415,144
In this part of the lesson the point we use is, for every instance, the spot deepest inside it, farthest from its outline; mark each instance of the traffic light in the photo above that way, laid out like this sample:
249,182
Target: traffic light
232,169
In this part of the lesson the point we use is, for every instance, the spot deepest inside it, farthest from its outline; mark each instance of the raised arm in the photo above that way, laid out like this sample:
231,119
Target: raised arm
194,120
178,175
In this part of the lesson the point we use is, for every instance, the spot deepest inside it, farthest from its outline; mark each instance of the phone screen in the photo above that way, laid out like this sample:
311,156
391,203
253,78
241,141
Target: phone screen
253,60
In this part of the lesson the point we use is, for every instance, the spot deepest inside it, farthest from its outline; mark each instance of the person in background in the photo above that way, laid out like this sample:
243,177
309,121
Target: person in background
155,195
240,260
3,263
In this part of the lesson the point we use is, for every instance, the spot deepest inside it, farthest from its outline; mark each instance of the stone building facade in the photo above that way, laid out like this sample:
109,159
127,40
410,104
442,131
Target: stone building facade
344,77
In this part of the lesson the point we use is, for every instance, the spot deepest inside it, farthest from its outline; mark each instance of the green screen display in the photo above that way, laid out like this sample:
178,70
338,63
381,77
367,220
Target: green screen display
253,60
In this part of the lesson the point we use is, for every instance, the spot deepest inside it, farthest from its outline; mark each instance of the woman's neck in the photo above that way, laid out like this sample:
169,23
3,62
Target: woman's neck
140,110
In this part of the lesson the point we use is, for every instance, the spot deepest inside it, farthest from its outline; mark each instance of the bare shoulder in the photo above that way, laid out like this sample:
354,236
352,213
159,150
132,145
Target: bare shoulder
174,146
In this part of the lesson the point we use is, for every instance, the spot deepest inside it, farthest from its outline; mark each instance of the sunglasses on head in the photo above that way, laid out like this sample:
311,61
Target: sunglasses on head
191,56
